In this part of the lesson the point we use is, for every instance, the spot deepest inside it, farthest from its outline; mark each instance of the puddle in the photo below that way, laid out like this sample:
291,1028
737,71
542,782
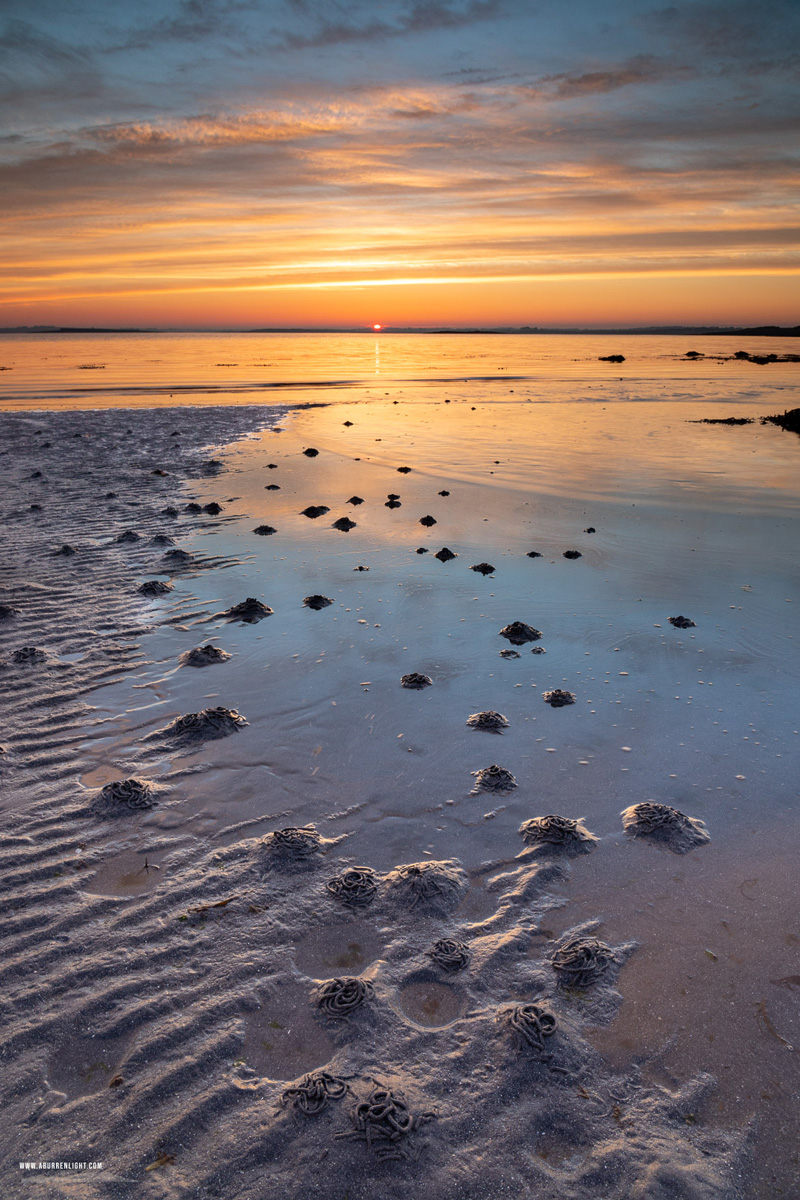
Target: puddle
126,874
432,1004
86,1065
283,1039
332,950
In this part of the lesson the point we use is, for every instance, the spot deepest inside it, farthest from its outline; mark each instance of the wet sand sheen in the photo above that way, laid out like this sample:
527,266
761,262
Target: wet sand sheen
333,738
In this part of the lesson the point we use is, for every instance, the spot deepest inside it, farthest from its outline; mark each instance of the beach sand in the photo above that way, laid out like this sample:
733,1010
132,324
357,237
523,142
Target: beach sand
165,954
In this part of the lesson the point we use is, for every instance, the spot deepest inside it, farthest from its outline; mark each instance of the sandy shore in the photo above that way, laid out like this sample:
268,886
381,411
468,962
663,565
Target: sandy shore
166,956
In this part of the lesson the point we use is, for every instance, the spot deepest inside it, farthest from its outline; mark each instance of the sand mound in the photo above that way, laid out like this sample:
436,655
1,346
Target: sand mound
531,1024
665,825
491,722
154,587
135,795
314,1091
339,998
581,962
355,886
250,611
564,832
204,656
415,681
493,779
293,844
432,884
208,723
449,954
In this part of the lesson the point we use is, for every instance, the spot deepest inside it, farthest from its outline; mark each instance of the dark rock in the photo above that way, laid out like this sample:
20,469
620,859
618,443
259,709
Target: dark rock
272,487
360,568
682,622
510,654
356,500
428,521
421,550
310,452
316,602
518,633
483,568
444,493
7,611
444,555
392,504
572,554
272,466
162,539
129,536
344,524
193,507
213,508
264,530
404,470
66,551
558,698
315,510
789,420
590,529
169,511
611,358
178,556
533,554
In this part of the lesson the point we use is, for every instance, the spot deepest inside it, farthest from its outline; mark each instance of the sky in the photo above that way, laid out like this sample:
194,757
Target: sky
250,163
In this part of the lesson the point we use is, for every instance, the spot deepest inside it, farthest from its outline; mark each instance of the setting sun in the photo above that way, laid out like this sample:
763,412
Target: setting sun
377,327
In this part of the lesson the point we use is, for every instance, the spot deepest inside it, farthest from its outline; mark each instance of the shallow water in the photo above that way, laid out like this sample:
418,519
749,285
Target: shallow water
689,519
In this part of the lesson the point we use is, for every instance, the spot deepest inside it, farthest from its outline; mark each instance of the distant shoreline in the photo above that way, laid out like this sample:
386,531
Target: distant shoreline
666,330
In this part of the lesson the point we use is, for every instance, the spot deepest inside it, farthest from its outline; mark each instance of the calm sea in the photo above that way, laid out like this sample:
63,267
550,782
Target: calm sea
96,370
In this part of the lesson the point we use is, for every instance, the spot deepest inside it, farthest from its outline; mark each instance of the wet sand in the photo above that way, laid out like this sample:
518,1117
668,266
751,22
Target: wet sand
163,965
